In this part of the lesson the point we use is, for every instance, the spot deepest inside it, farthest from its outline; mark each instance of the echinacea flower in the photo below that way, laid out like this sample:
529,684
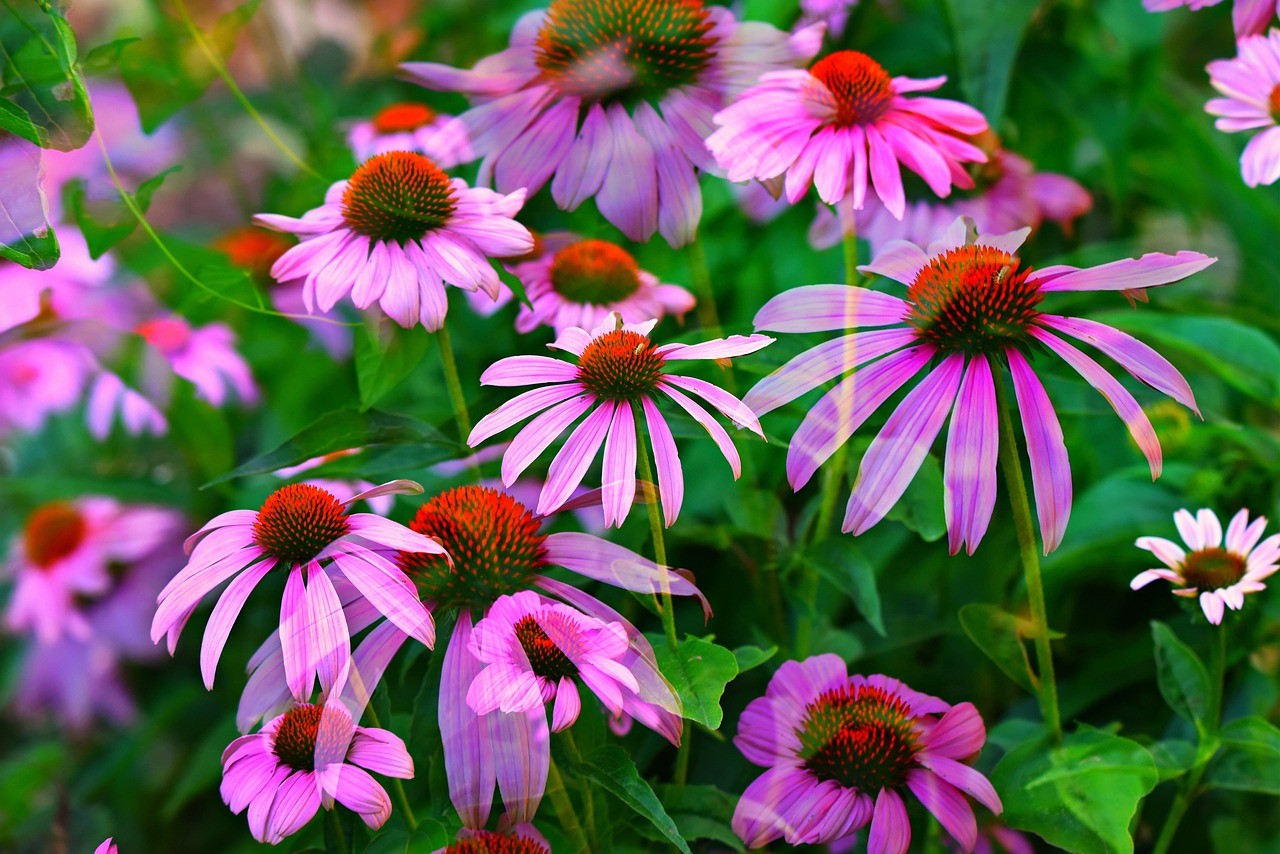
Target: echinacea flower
309,757
110,399
378,503
411,126
840,121
533,649
1218,573
581,282
1251,86
612,99
621,374
396,233
842,751
205,356
107,847
309,533
973,307
1248,17
40,377
833,13
522,839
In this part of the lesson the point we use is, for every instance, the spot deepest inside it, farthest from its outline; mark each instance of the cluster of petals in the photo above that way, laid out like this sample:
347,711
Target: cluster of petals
841,751
204,356
1216,571
1249,17
619,376
971,307
553,107
1250,86
411,126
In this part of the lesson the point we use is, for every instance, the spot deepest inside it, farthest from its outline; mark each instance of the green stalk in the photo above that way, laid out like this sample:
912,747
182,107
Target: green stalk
700,276
659,544
397,787
588,800
564,810
454,385
336,826
681,775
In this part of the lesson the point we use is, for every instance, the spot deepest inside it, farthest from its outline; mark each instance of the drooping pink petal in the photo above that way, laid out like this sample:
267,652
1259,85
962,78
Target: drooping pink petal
528,370
519,408
1050,468
1149,271
296,638
966,779
628,197
969,471
728,405
363,795
821,308
885,175
947,805
535,436
613,564
521,746
389,590
224,616
890,828
618,477
571,463
718,434
1142,579
666,459
720,348
468,749
368,663
959,734
380,751
330,634
763,812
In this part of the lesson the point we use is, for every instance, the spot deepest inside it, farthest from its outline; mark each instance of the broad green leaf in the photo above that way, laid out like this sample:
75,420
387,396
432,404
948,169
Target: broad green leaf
750,657
44,99
1080,796
611,768
1250,757
1000,635
702,812
699,670
429,836
921,506
988,33
105,222
841,562
26,236
1183,679
105,57
385,355
1173,758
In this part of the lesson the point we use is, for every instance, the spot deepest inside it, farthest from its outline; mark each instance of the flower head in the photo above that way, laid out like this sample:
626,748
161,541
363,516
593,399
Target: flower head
1218,573
612,99
522,839
621,373
841,120
205,356
396,233
842,751
411,126
1249,17
972,305
1250,84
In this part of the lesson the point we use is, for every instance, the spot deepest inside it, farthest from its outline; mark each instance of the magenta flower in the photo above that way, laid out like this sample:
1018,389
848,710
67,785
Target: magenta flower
970,304
310,533
581,282
842,751
396,233
411,126
40,377
306,758
534,649
1249,17
612,99
380,503
107,847
833,13
841,120
205,356
522,839
620,369
1220,576
110,399
1251,86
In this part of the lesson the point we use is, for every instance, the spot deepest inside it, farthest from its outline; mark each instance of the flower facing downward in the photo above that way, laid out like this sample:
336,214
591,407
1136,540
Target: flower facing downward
840,121
620,373
1219,573
410,126
306,758
396,233
1250,84
971,304
842,751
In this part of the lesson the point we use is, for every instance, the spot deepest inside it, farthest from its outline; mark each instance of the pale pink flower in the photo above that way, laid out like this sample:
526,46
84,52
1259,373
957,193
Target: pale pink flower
1251,86
205,356
38,378
1218,573
411,126
110,399
1249,17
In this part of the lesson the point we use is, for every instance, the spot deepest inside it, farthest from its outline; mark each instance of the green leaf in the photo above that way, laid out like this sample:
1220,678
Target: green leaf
999,634
1250,758
921,506
429,836
105,222
30,773
699,670
702,812
45,101
513,282
105,57
750,657
611,768
988,33
25,234
385,355
1080,796
1173,758
841,562
201,767
1183,679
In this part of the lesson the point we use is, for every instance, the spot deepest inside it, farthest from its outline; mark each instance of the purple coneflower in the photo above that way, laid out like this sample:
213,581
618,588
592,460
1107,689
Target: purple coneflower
411,126
522,839
1251,86
1249,17
205,356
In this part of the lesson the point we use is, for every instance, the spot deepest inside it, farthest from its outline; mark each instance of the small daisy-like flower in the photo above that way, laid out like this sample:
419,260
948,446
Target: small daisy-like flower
1251,86
396,233
306,758
612,99
522,839
533,649
411,126
842,751
205,356
620,373
581,282
1218,573
840,121
308,532
1249,17
971,305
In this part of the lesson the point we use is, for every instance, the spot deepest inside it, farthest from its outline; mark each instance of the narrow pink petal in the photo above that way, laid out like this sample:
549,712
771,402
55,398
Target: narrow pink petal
618,484
1189,529
613,564
528,370
1210,528
720,348
666,459
519,408
763,813
389,590
629,196
468,748
1241,538
918,155
831,176
295,638
679,196
392,535
363,795
1142,579
391,487
890,828
1050,468
368,663
535,436
330,635
820,308
231,518
568,704
581,173
521,745
1169,553
224,616
947,805
571,463
728,405
296,803
969,472
183,598
380,751
966,779
885,175
718,434
959,733
900,260
1260,162
1151,270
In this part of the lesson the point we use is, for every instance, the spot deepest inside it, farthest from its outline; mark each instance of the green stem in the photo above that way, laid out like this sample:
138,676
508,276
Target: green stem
681,774
700,276
1186,794
451,380
659,545
1217,677
335,824
564,810
588,800
397,787
1046,685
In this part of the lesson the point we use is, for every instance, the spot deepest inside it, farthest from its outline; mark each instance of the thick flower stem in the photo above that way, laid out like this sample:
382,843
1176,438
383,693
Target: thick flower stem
335,825
1011,465
681,775
659,545
454,385
564,810
397,787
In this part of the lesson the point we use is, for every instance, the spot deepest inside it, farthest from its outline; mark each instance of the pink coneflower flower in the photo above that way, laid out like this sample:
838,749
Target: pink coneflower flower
841,120
1220,576
378,503
411,126
842,751
38,378
614,98
1251,84
620,369
310,533
581,282
110,399
833,13
205,356
523,839
533,649
306,758
396,233
1249,17
972,305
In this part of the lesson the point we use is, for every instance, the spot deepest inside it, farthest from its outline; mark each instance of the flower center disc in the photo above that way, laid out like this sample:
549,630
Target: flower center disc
488,842
492,538
1212,569
595,272
52,532
1274,102
620,365
255,248
861,737
605,49
312,737
973,299
297,521
862,89
397,196
167,334
402,117
546,658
